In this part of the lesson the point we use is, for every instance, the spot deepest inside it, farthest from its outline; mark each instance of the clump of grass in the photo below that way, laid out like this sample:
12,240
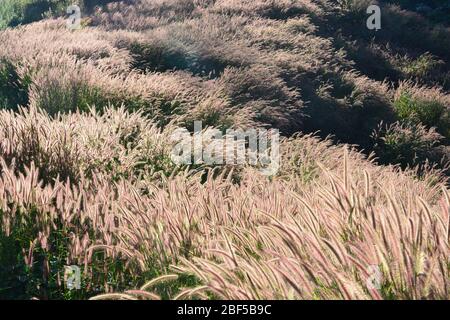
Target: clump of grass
11,11
13,87
421,67
407,144
419,111
421,105
17,12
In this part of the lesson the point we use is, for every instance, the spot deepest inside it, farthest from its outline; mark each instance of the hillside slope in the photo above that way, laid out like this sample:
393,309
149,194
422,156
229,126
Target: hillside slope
86,176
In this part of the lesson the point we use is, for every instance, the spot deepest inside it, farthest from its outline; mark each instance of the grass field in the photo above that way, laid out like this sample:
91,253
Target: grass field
87,178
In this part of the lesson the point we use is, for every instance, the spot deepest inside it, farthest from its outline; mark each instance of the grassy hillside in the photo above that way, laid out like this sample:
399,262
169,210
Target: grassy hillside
86,176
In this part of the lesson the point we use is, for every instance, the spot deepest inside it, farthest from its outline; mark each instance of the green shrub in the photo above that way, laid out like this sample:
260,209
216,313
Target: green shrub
416,110
54,99
42,276
13,87
11,10
17,12
72,96
37,277
421,67
407,144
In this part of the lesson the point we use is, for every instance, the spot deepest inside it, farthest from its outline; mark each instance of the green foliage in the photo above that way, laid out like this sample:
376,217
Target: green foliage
38,277
427,112
13,271
421,67
43,276
18,12
54,98
13,87
407,144
80,96
10,11
267,65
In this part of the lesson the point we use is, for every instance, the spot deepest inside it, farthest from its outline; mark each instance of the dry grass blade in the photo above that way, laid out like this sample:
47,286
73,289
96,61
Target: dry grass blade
153,282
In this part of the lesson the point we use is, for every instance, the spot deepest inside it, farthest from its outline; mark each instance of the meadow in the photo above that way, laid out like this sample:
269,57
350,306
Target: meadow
86,176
